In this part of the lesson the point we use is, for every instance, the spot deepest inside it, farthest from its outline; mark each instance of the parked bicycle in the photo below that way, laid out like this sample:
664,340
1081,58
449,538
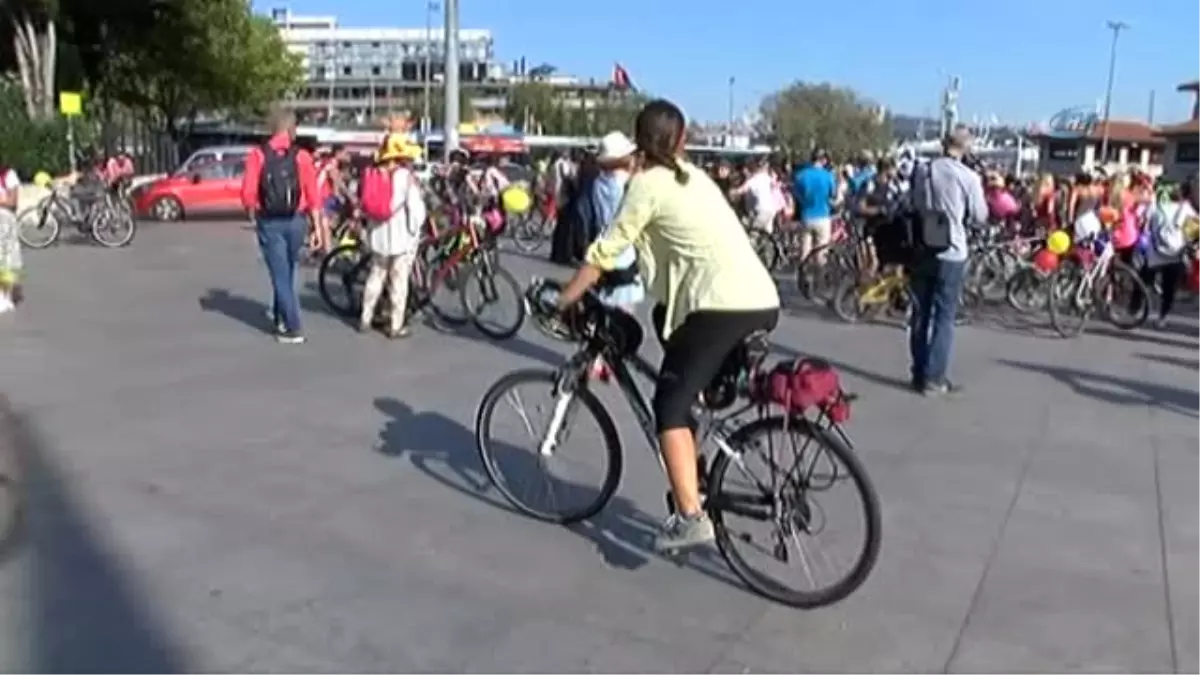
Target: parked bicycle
1086,285
105,215
456,277
816,456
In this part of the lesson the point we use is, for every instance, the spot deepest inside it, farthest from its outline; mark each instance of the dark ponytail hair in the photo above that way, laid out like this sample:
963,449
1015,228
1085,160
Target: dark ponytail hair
657,132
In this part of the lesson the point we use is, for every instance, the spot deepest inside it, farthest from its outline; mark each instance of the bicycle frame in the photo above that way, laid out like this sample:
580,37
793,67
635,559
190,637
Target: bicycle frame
576,372
1098,270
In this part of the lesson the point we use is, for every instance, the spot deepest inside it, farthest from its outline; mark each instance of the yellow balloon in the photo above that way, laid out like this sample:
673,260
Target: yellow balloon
1058,242
1191,228
42,179
8,278
516,199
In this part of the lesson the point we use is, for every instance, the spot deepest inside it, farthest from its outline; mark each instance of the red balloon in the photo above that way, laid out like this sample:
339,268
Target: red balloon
1193,278
1045,261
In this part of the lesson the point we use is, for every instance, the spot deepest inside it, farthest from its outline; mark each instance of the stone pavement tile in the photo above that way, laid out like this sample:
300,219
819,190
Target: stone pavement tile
1179,481
304,589
906,615
903,619
1068,594
539,645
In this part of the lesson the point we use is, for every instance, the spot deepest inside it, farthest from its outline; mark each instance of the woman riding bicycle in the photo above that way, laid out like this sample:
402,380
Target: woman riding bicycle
712,292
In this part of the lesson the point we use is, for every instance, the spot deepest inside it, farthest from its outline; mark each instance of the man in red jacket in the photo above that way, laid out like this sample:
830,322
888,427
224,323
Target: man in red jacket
279,190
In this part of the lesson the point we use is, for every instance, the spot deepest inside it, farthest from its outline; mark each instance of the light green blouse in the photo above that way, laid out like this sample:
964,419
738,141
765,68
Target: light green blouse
692,250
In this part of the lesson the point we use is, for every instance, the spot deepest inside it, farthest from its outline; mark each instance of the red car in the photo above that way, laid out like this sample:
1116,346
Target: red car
212,189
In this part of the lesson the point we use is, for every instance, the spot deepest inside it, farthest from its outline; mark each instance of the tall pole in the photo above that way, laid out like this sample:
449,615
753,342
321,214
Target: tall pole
1150,113
426,122
1116,27
450,119
729,138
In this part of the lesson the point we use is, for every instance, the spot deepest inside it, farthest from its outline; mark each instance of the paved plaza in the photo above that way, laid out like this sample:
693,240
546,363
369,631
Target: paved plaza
204,499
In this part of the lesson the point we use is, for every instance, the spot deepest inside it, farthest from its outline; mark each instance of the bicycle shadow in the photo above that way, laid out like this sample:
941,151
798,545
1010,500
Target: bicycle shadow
622,533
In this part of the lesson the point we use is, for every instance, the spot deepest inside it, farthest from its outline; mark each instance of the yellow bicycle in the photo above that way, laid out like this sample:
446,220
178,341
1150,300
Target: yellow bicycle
888,293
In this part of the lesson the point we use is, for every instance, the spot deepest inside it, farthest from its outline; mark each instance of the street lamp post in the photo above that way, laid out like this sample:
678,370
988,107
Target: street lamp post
450,118
1116,27
426,121
729,138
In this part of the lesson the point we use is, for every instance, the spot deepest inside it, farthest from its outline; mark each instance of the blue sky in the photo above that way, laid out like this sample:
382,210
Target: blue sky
896,53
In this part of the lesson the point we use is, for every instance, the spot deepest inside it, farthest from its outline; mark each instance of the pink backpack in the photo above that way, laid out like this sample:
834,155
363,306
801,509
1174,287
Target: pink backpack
375,194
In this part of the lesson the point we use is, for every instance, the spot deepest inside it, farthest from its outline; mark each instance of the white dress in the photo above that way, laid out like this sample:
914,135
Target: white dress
401,233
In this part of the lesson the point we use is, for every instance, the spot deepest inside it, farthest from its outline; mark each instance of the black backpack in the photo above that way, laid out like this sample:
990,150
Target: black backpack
930,228
279,183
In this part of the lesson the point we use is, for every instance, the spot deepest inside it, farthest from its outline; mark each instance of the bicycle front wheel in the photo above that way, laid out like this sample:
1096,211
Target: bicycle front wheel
341,278
1070,305
485,293
532,459
793,503
1123,297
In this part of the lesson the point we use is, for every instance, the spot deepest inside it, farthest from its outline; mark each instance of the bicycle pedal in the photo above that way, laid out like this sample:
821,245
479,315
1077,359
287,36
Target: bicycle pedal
780,551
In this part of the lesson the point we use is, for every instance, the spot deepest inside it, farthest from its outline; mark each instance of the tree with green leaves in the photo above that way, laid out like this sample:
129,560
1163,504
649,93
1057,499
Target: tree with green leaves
206,56
805,116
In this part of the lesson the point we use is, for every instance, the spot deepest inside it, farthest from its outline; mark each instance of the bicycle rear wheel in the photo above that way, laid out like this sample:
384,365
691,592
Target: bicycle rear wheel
112,227
1026,291
767,248
787,503
38,226
529,463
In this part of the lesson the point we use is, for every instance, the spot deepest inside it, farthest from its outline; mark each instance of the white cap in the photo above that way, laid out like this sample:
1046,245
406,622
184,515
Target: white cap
615,145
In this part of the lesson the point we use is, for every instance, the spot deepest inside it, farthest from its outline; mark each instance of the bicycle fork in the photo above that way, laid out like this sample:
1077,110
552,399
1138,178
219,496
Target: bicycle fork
557,429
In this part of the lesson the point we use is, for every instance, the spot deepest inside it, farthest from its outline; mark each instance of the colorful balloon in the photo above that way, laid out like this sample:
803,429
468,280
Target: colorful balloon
1059,242
1045,261
516,200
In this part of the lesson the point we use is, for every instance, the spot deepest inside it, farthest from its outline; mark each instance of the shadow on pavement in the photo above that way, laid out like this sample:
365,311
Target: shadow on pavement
515,345
878,378
243,309
621,532
1116,390
1146,336
85,612
1181,362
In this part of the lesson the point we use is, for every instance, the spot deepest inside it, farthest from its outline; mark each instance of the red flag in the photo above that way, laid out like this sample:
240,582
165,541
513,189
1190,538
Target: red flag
621,80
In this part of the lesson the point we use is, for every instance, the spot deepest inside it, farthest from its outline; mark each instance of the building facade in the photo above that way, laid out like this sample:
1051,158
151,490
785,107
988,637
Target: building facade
1074,138
357,74
1181,156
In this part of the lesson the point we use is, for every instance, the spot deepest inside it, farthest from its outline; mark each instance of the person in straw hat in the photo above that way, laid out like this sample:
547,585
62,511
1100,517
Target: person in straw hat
393,242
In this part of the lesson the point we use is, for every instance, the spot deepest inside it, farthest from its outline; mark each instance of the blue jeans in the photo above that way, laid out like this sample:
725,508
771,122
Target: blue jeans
936,286
281,240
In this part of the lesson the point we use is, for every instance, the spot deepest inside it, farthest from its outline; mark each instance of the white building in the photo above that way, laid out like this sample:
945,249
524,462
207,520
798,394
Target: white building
360,73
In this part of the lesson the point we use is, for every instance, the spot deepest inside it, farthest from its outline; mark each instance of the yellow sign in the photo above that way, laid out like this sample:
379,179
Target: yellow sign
70,103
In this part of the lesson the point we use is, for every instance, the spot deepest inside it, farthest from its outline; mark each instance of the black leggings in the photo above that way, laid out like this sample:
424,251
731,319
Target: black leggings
1172,274
694,354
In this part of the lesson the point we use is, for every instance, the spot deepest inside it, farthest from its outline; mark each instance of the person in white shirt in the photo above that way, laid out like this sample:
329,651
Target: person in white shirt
393,243
765,200
10,241
1167,254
